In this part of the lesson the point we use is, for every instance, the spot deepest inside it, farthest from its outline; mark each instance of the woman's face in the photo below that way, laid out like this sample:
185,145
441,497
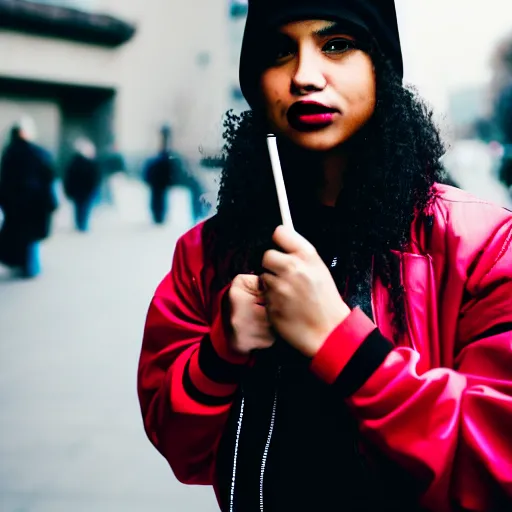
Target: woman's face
318,89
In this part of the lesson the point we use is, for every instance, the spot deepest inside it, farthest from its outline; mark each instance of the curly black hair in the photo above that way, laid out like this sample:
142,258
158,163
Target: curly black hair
394,162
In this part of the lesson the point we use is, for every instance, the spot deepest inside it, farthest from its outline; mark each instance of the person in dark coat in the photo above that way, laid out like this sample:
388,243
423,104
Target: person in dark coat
160,175
168,169
504,120
27,199
82,182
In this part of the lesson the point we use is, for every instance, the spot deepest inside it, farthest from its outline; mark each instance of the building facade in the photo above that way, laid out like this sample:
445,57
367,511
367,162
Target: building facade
115,70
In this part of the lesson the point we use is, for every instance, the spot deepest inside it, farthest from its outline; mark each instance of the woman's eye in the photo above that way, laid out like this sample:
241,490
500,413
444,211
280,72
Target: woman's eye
283,52
279,48
338,46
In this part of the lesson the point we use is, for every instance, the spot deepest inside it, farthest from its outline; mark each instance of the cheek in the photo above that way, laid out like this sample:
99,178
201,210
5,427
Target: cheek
358,87
367,99
272,90
371,90
367,91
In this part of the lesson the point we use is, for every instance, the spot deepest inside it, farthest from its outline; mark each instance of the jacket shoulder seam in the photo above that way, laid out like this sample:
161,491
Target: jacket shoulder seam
468,201
504,248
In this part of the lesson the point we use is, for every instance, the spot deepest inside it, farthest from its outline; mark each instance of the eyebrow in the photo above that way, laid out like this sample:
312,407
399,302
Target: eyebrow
334,28
330,30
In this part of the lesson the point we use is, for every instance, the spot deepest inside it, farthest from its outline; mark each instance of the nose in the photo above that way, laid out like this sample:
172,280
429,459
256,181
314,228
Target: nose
308,75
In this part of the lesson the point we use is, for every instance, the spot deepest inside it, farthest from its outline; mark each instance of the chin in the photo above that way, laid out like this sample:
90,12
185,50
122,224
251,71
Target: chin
319,141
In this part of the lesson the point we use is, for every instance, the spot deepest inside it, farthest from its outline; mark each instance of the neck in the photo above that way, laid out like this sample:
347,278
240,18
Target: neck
334,166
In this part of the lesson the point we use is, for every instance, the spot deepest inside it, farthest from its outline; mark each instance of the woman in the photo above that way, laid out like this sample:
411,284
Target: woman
363,362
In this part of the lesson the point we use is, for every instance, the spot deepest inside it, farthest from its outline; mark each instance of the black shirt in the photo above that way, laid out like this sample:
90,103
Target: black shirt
298,445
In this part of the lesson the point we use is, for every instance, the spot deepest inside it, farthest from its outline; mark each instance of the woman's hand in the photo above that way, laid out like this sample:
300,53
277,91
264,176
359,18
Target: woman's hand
251,327
303,303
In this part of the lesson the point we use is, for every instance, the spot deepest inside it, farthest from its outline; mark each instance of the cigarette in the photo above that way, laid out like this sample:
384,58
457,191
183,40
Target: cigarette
279,181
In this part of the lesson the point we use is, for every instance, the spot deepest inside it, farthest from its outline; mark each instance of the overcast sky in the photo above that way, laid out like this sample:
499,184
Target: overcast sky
449,43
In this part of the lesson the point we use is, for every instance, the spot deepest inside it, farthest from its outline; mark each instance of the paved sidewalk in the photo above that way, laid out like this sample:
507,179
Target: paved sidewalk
72,437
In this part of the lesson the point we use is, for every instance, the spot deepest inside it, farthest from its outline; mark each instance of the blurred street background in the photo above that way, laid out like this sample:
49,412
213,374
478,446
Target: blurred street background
123,103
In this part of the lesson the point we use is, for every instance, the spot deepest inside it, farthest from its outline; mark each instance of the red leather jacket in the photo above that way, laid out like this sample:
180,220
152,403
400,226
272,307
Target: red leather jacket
440,403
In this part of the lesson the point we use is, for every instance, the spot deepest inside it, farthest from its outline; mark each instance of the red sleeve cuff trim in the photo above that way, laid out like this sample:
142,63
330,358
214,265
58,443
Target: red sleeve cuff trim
206,385
341,345
181,402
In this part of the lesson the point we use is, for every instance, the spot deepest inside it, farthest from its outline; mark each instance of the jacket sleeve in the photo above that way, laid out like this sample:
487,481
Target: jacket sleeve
451,428
187,375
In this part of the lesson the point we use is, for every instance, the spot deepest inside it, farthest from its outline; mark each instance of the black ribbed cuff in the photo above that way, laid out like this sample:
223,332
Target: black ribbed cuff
215,367
201,397
363,364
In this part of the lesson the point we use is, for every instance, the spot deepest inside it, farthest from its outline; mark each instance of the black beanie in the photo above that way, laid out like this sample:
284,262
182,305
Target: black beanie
376,17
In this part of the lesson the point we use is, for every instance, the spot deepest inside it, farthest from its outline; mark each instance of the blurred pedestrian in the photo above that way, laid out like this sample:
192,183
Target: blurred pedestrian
506,172
160,175
504,119
27,198
360,359
166,170
82,180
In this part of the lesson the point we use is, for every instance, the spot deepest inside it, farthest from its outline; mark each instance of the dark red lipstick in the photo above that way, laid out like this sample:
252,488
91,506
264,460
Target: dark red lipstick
311,115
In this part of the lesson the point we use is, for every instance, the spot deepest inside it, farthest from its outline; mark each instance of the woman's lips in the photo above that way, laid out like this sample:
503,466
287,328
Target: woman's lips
309,116
316,118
